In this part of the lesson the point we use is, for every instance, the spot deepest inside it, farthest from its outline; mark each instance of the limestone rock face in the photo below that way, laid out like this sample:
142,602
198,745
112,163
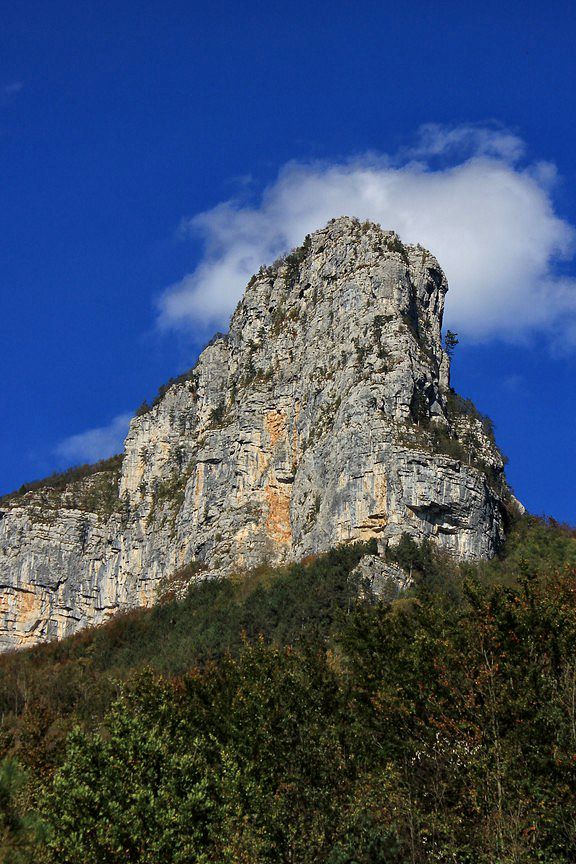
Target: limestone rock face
379,580
324,416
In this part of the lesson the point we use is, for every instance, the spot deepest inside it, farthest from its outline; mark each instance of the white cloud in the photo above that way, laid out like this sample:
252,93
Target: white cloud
461,192
95,444
462,141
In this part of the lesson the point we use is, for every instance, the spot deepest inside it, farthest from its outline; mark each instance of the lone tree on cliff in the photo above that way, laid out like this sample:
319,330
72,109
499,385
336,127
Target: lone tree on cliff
450,342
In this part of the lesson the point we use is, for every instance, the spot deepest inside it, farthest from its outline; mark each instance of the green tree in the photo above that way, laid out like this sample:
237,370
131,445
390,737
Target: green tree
20,826
285,778
137,792
450,342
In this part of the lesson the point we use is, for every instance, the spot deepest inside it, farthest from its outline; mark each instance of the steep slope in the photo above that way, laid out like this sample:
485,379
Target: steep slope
324,416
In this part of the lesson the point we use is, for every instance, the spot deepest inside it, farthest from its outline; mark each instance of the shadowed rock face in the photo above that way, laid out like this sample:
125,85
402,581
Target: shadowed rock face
320,418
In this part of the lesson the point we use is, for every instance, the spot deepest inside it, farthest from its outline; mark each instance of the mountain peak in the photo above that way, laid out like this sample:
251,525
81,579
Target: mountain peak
324,416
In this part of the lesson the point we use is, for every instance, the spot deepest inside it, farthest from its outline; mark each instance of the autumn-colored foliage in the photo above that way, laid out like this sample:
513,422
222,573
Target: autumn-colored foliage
279,719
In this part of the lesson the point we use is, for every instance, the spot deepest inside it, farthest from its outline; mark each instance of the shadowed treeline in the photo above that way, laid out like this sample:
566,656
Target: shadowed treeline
275,717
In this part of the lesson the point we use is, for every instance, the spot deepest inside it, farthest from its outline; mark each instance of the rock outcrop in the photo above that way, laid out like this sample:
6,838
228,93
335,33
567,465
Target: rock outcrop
323,416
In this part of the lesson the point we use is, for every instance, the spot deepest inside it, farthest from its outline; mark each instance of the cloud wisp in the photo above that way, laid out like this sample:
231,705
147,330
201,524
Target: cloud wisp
465,193
7,91
95,444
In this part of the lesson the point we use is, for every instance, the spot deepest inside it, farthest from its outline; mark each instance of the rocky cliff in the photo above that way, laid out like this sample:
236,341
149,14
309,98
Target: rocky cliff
325,415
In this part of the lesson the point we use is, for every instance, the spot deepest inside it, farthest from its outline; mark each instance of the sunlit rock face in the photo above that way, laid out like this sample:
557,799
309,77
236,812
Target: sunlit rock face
323,417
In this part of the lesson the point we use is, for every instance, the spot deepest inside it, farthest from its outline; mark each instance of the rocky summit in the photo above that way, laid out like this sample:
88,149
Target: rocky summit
324,416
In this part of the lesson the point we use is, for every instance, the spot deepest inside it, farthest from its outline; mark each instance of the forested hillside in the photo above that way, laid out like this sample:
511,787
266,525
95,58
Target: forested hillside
277,717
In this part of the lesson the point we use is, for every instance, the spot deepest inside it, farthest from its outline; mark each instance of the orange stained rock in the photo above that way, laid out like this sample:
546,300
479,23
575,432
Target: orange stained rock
278,519
25,606
198,484
28,603
275,425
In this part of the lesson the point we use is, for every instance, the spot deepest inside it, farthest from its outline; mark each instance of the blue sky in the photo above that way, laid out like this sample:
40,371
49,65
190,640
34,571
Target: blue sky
151,152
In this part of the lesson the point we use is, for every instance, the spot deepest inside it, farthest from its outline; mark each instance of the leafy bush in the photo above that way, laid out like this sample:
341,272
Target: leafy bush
295,258
459,406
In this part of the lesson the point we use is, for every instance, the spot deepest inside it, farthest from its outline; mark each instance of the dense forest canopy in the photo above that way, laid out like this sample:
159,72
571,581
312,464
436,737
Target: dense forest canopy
276,717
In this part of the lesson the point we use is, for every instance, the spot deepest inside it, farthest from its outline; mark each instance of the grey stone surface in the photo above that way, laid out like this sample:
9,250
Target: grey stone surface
379,580
319,419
